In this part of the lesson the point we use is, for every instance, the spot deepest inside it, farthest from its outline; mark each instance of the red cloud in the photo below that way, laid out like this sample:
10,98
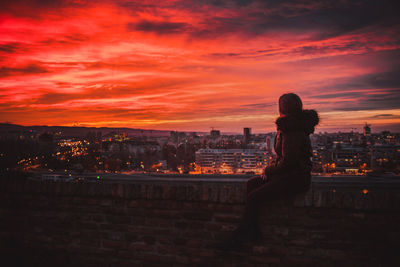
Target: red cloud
189,65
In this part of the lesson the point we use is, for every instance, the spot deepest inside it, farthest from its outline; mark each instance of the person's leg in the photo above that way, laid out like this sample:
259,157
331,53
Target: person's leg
266,192
259,191
274,189
254,183
248,229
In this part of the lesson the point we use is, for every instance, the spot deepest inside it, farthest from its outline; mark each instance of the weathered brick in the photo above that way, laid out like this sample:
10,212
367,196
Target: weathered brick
112,244
211,226
227,217
106,202
133,204
195,243
179,224
297,261
116,236
166,249
141,246
165,223
87,225
114,227
180,241
90,242
197,215
164,213
334,254
118,219
150,240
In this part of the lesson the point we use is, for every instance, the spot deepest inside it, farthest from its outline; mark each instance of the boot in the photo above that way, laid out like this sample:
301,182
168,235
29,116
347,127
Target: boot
241,235
247,233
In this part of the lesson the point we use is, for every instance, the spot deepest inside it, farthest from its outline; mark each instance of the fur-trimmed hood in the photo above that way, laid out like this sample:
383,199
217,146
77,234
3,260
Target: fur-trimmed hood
304,121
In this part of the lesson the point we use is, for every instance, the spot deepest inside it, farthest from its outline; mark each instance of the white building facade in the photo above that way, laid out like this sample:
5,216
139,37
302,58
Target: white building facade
232,161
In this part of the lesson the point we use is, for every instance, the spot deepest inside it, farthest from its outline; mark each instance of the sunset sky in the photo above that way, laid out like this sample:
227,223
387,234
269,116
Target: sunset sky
192,65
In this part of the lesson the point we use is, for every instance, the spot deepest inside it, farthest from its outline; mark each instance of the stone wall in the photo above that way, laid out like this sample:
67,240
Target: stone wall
178,222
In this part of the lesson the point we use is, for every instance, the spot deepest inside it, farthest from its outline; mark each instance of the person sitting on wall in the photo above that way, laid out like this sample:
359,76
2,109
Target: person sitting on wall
288,176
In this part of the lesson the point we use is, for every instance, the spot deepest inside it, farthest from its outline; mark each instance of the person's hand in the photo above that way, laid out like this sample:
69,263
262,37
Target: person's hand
264,176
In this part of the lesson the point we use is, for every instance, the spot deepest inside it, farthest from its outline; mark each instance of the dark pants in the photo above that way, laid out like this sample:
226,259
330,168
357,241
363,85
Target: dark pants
277,187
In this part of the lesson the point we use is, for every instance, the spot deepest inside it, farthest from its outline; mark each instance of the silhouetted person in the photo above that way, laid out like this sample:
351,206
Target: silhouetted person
289,175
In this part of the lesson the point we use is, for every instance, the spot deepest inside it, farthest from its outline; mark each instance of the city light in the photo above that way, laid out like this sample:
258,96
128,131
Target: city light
348,153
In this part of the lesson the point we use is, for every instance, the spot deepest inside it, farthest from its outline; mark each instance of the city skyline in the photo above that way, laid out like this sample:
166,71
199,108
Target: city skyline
192,65
137,131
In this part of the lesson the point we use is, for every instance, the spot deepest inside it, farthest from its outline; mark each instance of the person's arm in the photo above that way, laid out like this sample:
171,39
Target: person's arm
290,154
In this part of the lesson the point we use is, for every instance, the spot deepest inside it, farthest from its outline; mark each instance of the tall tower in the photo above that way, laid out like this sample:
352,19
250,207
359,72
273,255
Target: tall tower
215,134
246,134
367,130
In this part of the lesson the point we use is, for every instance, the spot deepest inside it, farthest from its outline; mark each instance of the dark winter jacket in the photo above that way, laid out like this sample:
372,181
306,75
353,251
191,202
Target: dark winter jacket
293,146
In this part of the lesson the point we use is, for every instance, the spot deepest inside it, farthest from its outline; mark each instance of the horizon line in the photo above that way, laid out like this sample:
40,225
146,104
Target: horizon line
194,131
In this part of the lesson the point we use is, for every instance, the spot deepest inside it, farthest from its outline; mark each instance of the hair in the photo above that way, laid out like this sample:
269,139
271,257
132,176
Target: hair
290,104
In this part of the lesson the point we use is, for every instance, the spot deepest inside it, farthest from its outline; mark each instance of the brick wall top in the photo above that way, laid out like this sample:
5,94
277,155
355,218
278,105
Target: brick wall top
339,192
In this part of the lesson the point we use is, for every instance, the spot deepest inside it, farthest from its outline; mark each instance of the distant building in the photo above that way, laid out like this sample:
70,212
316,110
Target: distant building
215,133
232,160
367,129
346,157
246,135
131,147
177,137
385,155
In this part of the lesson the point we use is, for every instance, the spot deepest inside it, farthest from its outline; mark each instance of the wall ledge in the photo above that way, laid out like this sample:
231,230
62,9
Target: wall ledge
339,192
154,221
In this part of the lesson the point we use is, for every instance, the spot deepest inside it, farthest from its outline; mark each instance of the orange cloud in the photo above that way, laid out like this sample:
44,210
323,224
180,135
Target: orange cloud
190,65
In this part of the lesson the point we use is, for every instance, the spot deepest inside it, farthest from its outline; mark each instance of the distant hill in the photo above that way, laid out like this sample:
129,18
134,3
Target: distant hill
73,131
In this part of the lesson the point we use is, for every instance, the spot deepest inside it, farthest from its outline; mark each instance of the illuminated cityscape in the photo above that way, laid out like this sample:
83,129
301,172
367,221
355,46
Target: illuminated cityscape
232,161
350,153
